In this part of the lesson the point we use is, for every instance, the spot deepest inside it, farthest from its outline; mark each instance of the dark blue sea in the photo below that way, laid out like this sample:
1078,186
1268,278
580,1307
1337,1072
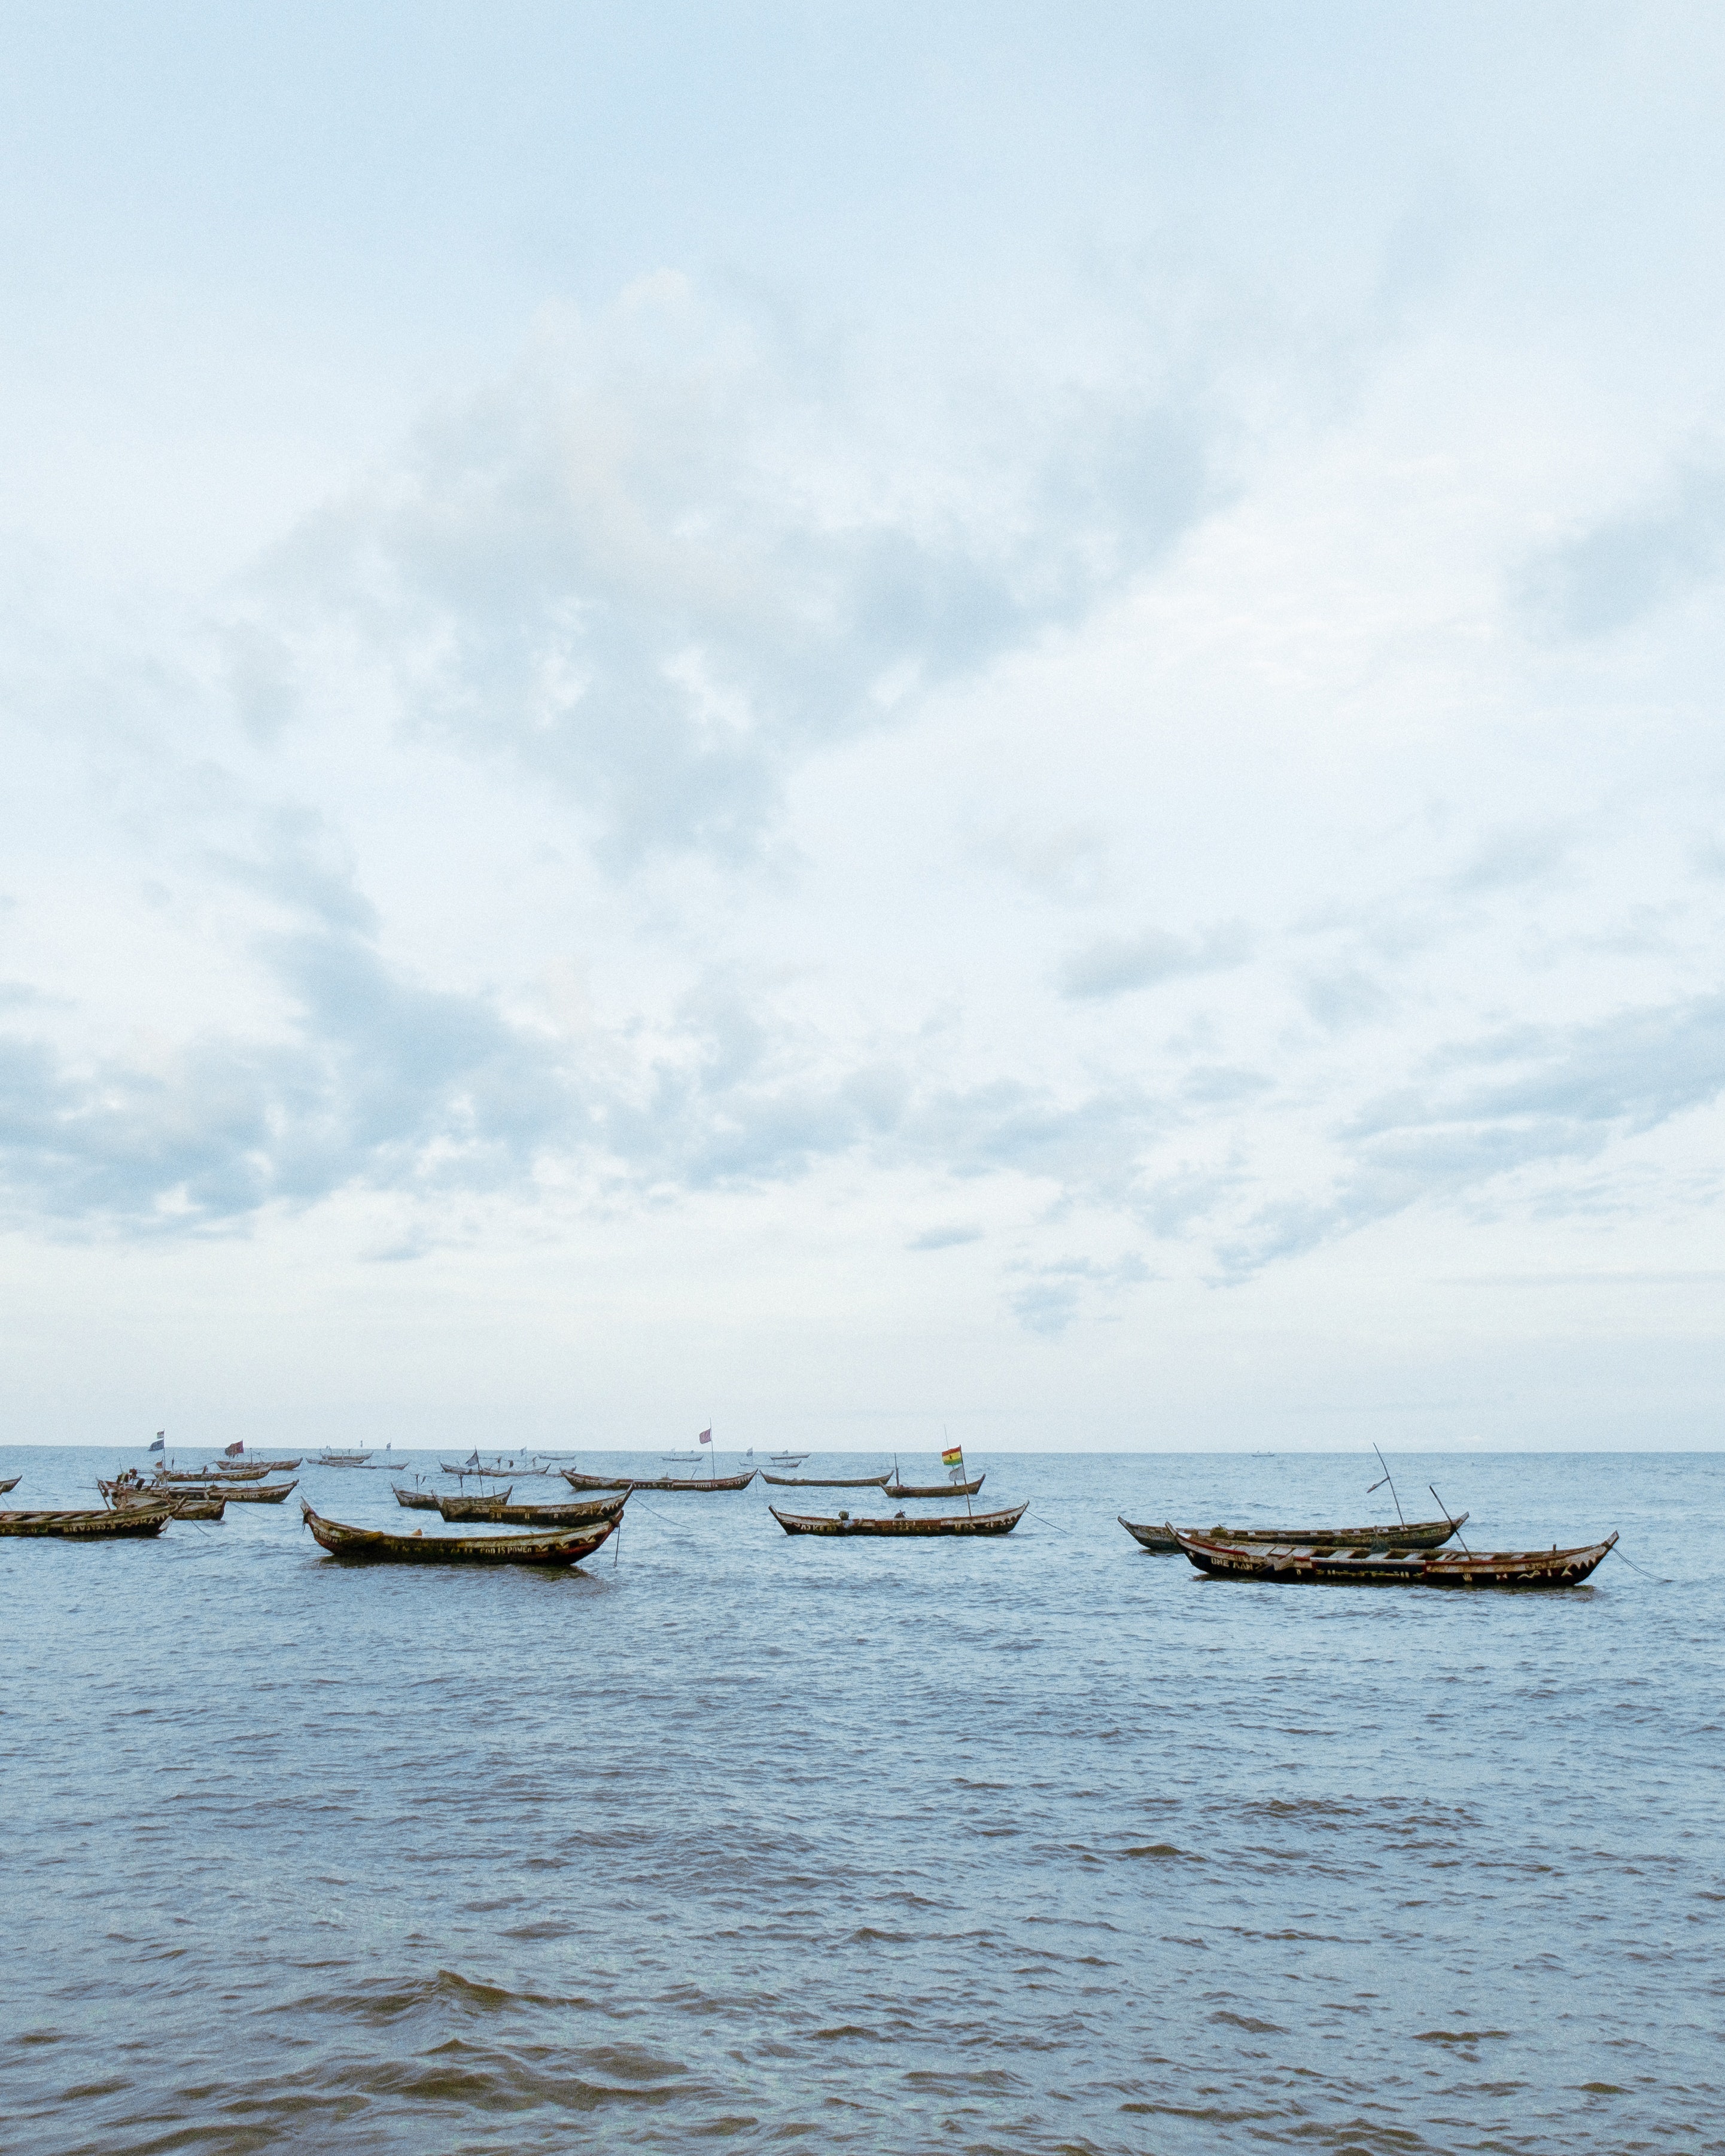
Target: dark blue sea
1039,1845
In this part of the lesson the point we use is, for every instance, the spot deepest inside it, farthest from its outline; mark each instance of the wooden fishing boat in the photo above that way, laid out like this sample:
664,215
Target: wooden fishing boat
89,1527
827,1482
923,1523
571,1515
11,1484
341,1459
417,1501
937,1489
259,1493
556,1546
1328,1565
263,1466
182,1504
700,1484
1405,1534
494,1469
193,1477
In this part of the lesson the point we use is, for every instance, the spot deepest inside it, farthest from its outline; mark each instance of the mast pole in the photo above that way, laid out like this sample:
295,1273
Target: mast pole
1390,1479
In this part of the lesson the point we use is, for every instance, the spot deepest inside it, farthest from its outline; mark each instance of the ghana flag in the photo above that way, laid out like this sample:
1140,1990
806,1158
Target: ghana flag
954,1456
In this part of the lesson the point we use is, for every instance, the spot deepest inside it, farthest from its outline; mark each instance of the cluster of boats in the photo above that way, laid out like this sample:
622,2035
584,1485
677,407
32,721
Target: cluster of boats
1411,1554
564,1531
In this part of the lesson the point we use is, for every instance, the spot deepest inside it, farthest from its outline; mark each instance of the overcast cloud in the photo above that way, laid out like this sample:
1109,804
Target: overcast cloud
864,720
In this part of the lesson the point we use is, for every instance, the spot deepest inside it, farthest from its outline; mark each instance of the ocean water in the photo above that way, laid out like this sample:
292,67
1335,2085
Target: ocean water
1027,1845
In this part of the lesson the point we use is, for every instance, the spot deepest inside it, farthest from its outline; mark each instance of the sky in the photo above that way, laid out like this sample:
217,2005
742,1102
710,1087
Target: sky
848,721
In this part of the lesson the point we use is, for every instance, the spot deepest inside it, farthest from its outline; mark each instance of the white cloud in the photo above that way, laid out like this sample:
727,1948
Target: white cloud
966,772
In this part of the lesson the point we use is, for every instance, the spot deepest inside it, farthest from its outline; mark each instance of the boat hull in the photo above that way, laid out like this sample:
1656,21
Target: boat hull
369,1545
827,1481
502,1472
576,1513
936,1523
1294,1563
10,1483
937,1489
89,1527
418,1500
699,1485
257,1493
182,1504
1417,1534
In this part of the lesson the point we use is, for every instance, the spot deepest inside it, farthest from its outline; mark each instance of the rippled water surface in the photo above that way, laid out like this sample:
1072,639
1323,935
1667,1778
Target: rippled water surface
1025,1845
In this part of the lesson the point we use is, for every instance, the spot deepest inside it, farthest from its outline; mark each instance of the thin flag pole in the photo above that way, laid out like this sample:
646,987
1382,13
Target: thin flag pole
963,1469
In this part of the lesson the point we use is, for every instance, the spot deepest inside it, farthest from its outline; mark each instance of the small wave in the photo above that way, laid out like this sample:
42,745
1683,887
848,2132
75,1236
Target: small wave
384,2002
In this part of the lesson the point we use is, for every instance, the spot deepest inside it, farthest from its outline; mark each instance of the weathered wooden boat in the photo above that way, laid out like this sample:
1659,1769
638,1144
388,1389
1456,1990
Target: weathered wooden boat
193,1477
827,1482
182,1504
1330,1566
555,1546
700,1484
553,1515
341,1459
89,1527
1405,1534
484,1500
257,1493
263,1466
11,1484
898,1523
417,1501
496,1469
937,1489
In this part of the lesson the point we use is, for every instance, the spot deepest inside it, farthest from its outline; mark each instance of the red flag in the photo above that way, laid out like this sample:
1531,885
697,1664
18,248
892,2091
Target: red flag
233,1451
706,1437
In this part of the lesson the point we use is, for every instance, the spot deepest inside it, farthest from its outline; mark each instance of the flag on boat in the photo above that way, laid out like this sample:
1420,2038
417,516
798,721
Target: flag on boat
706,1437
161,1437
954,1456
233,1451
473,1458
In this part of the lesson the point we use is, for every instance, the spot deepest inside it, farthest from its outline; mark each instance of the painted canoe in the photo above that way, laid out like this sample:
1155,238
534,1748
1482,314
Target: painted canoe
827,1482
556,1546
195,1477
1406,1534
700,1484
574,1514
924,1523
182,1504
937,1489
263,1466
341,1459
11,1484
255,1493
417,1501
496,1470
1330,1566
89,1527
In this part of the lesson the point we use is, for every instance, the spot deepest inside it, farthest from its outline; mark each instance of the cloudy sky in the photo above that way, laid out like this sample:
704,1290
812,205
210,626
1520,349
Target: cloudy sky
842,718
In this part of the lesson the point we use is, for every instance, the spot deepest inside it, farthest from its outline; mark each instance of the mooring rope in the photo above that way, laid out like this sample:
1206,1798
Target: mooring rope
1658,1578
